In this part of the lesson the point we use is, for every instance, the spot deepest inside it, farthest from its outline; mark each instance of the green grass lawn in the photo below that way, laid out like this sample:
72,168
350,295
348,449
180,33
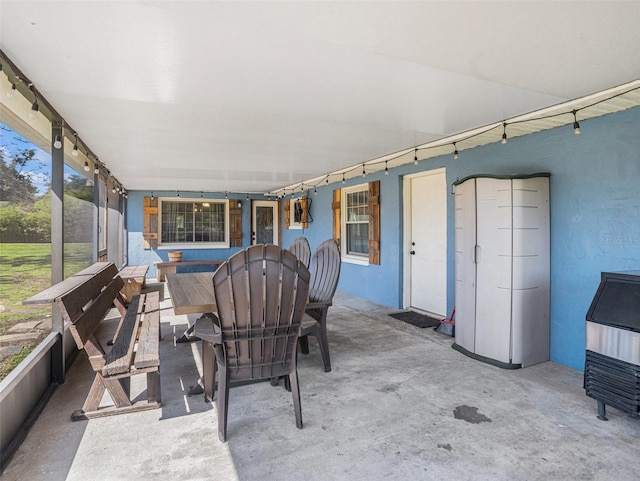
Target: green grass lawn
25,271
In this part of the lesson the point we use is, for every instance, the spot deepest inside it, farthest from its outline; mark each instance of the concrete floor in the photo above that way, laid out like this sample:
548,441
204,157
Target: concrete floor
399,404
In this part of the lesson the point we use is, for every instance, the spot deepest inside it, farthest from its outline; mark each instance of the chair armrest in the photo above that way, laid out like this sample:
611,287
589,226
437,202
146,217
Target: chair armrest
206,329
318,305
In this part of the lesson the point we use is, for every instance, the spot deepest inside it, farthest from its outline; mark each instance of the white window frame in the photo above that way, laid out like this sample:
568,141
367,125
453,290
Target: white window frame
360,259
195,244
292,216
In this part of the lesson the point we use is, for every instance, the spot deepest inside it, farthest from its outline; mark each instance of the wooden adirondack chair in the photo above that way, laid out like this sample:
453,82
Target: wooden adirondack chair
300,248
260,294
325,272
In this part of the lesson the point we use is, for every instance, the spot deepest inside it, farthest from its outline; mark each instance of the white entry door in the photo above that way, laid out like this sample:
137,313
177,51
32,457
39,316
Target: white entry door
426,242
264,222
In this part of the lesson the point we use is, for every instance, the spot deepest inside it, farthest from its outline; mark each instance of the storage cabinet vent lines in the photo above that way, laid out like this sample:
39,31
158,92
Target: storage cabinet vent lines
502,268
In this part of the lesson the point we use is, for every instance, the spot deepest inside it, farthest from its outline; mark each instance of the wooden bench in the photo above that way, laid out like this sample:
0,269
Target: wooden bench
135,348
135,279
169,267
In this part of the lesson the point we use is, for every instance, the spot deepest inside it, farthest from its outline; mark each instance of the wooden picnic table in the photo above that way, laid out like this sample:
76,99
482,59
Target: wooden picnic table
166,268
54,292
134,278
192,292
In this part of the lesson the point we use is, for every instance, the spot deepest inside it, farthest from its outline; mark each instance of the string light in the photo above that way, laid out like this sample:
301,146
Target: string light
74,152
152,195
576,125
415,156
364,172
57,142
34,106
386,168
177,193
315,191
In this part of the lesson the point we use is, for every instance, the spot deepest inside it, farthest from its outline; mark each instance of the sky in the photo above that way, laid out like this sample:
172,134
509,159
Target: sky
39,170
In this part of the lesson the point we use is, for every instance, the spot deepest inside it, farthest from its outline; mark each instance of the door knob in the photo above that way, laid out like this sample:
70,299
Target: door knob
413,253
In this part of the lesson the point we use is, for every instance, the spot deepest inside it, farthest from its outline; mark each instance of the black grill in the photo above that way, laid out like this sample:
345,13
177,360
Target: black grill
613,382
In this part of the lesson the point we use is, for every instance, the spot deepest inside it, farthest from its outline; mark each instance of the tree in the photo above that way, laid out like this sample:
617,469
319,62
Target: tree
16,185
76,186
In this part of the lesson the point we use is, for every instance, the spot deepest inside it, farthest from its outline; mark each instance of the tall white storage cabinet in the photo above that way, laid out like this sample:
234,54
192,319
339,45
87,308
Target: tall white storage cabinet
502,269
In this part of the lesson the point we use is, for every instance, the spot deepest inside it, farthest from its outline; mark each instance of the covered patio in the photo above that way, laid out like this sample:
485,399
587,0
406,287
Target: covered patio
195,128
399,404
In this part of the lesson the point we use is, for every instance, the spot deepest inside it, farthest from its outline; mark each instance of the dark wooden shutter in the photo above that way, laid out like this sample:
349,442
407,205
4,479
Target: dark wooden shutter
235,223
304,204
150,223
374,222
335,205
287,211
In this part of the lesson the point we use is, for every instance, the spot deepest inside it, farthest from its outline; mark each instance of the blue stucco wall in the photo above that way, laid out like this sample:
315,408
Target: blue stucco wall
137,255
595,218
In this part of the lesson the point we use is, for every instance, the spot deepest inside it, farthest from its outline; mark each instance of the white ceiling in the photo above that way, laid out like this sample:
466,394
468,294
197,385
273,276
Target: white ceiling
253,96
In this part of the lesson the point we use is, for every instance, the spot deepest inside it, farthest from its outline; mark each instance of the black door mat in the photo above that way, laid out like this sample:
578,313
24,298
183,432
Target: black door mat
413,318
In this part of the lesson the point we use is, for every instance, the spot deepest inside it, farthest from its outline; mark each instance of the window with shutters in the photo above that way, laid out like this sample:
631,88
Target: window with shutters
356,223
188,222
355,238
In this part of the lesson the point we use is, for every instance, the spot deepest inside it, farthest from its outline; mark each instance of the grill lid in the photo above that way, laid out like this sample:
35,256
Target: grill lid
617,300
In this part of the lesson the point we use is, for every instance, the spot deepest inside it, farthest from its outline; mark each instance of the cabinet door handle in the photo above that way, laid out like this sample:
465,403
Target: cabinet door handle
476,254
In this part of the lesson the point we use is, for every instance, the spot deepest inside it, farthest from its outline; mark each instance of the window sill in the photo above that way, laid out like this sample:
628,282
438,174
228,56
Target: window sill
351,259
192,246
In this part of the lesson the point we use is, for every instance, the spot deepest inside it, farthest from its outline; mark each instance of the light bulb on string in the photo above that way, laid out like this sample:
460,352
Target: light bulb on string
415,156
504,132
343,181
34,106
455,152
576,125
57,142
86,166
74,152
364,172
386,168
